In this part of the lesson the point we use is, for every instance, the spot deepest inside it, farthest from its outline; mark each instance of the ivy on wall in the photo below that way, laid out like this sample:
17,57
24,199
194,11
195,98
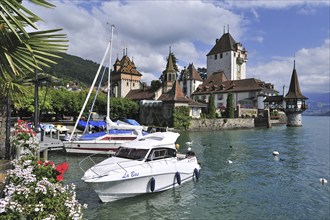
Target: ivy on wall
181,118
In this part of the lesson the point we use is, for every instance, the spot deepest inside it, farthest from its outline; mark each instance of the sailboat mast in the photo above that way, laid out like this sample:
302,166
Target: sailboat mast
109,84
90,92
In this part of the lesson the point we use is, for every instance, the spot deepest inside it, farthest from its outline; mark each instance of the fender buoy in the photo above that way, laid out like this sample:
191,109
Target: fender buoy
152,183
196,173
178,178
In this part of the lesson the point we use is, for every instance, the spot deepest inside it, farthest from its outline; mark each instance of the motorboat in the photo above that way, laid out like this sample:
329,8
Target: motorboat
147,164
100,136
102,142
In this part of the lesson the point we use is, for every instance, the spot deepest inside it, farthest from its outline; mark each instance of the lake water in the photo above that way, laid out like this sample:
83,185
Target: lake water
256,185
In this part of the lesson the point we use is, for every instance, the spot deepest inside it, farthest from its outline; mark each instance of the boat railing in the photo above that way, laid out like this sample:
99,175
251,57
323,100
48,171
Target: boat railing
121,165
91,160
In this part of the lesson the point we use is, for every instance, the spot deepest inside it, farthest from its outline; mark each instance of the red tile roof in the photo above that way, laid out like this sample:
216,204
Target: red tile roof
175,94
218,83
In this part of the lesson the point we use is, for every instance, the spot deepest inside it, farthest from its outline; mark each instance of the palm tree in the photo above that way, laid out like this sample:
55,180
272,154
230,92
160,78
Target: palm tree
23,53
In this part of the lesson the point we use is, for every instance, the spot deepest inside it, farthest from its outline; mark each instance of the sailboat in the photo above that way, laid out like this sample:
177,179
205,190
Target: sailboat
114,134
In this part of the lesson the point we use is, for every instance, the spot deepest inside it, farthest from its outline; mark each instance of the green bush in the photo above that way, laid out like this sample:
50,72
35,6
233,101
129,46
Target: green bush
181,118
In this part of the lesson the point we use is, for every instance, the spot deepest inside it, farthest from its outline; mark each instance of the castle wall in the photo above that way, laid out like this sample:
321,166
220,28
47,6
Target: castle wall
219,64
294,119
221,124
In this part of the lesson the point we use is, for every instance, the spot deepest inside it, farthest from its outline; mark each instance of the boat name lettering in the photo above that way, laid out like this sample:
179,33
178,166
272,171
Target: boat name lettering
133,174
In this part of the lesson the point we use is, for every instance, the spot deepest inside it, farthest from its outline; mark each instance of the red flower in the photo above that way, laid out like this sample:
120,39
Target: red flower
61,168
60,177
46,163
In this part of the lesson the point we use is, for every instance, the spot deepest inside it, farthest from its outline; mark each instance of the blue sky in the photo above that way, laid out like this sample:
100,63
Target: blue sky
273,32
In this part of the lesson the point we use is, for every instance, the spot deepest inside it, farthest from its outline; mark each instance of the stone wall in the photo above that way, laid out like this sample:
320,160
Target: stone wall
221,124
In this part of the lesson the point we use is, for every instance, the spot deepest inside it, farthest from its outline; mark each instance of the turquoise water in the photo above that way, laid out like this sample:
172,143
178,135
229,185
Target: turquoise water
256,185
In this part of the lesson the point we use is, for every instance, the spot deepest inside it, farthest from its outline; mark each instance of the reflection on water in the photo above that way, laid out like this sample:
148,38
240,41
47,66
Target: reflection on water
256,185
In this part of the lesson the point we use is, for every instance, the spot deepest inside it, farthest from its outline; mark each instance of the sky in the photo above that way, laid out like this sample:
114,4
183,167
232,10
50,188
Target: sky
275,33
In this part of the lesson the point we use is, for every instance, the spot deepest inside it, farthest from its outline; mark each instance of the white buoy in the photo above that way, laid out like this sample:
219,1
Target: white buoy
323,181
275,153
229,161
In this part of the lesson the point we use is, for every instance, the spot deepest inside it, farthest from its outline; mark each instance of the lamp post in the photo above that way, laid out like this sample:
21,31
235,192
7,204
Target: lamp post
36,115
7,143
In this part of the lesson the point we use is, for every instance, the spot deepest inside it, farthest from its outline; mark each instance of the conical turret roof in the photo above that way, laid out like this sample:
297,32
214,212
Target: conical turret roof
294,89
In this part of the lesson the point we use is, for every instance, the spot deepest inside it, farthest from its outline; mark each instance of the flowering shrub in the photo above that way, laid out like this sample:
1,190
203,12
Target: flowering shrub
34,189
34,192
24,139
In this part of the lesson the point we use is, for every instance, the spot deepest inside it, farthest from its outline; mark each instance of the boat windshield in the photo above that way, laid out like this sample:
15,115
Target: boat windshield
131,153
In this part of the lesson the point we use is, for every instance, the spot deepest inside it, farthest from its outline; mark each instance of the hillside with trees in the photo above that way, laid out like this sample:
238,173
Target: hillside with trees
73,69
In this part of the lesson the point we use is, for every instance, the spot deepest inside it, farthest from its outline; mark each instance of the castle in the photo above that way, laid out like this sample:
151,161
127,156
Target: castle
226,74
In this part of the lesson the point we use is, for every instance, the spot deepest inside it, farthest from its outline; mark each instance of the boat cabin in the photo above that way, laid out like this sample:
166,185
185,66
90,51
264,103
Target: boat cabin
148,155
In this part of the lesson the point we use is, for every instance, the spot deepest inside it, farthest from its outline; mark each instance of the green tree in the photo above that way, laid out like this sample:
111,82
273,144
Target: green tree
181,118
230,110
155,85
123,108
211,106
21,52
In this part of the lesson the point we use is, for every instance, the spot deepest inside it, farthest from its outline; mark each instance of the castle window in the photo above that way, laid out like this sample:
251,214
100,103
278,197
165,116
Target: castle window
133,84
220,55
127,84
216,56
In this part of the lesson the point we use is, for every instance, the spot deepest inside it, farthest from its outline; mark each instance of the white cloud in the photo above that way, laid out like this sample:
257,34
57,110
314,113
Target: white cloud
149,28
146,28
306,4
312,66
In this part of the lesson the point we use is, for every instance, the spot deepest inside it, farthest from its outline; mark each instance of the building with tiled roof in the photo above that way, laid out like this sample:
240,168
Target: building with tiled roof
228,56
190,80
245,91
160,111
146,93
124,77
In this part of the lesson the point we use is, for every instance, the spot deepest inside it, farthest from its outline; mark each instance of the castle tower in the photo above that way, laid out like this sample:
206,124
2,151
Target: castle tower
124,77
169,75
228,56
294,102
190,80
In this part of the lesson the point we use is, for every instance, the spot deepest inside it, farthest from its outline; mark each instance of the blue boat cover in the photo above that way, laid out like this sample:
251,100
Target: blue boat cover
132,122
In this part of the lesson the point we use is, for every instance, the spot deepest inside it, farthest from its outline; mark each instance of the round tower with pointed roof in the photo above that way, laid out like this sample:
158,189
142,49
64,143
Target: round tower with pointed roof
294,102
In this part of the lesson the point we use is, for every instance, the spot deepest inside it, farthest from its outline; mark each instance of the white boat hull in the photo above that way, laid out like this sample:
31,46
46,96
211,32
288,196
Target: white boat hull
134,181
91,147
101,145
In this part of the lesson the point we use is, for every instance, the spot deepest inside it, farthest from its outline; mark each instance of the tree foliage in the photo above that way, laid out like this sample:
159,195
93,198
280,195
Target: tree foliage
211,106
230,110
64,102
181,118
73,69
202,72
123,108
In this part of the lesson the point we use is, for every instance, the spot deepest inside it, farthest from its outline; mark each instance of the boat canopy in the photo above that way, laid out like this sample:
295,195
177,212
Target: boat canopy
158,139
